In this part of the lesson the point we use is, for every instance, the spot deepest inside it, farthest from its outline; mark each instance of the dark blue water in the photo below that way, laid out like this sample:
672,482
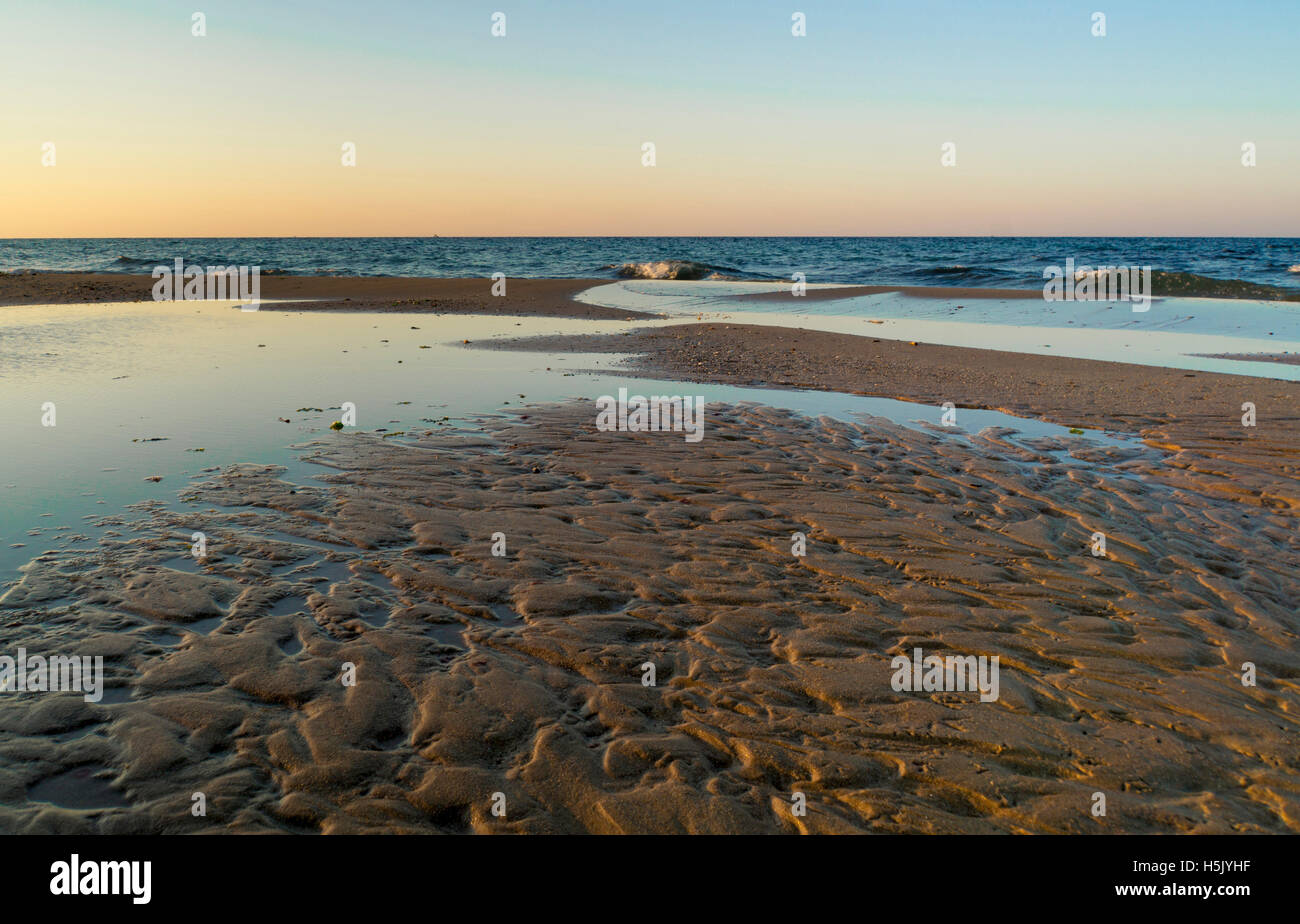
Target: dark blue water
966,261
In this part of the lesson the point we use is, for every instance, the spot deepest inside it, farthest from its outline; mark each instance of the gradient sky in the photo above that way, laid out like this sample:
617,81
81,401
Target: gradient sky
239,133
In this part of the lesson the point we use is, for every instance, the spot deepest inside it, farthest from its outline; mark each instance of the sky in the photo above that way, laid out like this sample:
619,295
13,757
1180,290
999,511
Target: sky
157,132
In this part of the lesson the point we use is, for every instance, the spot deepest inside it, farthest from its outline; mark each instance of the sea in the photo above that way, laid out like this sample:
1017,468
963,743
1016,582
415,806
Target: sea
995,262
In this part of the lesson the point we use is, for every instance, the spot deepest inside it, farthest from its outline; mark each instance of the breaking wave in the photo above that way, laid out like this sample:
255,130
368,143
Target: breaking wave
1191,285
675,269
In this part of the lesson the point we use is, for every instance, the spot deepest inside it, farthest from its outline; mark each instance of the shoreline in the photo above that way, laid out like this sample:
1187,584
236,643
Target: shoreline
535,297
540,295
1064,390
415,293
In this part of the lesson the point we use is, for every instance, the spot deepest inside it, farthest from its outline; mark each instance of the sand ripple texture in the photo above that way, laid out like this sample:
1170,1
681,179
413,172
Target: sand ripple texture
522,675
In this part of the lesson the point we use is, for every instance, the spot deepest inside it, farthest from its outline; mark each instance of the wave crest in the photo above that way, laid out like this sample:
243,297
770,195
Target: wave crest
1193,285
674,269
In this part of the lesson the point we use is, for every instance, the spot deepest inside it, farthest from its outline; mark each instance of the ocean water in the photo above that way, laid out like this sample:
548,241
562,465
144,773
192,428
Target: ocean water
998,262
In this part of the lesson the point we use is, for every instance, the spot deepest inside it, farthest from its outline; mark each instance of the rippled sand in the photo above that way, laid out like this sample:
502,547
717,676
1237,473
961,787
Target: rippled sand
522,675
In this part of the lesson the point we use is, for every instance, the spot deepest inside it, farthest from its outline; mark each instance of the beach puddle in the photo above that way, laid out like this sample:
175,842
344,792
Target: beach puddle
375,617
448,634
506,616
186,563
82,788
393,742
287,606
113,696
300,542
328,571
204,626
163,637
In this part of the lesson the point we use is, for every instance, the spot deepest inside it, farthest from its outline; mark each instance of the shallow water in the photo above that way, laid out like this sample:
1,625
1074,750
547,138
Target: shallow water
78,788
1171,333
176,389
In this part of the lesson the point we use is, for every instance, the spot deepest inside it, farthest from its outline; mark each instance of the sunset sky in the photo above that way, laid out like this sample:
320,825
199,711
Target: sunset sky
239,132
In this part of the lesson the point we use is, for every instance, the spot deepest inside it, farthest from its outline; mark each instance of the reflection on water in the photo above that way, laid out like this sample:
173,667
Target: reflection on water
171,390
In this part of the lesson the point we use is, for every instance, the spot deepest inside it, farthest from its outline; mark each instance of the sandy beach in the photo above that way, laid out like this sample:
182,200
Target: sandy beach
519,679
535,297
719,420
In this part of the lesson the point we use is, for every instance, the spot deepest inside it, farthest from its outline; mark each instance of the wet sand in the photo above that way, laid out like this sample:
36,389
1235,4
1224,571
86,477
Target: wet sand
833,293
523,674
1195,415
1166,285
1068,391
1289,359
541,297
